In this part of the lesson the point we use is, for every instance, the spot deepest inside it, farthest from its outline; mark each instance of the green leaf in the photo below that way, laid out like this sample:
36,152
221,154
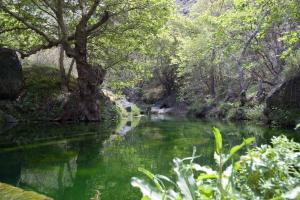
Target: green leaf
218,140
207,176
206,191
235,149
152,177
145,198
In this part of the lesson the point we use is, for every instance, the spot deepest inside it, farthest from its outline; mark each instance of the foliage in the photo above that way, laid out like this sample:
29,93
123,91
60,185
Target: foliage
119,32
35,104
254,112
267,172
135,110
224,47
270,172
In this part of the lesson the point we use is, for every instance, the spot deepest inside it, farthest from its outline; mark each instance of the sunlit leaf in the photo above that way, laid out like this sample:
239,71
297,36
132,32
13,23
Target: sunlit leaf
218,140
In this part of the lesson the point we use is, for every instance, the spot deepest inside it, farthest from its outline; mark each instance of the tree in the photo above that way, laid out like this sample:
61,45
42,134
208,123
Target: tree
76,25
235,45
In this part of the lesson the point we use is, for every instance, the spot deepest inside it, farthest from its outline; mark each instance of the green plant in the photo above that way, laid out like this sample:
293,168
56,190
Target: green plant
209,184
255,112
268,172
135,110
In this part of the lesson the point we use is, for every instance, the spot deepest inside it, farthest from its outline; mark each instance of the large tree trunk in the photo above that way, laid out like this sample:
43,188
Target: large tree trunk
84,103
89,95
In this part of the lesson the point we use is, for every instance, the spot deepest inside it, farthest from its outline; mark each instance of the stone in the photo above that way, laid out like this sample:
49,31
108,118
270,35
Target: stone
14,193
11,77
283,104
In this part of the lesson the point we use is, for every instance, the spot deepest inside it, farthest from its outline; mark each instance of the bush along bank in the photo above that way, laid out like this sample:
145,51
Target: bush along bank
280,108
42,98
232,111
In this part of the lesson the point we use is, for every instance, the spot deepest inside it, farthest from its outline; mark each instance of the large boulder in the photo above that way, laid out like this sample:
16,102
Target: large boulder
11,78
283,104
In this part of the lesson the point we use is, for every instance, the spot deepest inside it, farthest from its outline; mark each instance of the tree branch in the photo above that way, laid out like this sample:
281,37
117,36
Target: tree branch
92,9
24,21
63,29
105,17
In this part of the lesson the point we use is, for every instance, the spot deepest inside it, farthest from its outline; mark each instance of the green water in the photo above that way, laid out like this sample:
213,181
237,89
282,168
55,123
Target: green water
74,161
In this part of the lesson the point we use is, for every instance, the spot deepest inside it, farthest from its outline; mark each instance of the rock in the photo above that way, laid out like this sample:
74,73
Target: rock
126,104
158,110
11,192
283,104
11,77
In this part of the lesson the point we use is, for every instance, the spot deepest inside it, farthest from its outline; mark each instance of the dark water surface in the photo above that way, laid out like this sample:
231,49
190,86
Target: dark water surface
74,161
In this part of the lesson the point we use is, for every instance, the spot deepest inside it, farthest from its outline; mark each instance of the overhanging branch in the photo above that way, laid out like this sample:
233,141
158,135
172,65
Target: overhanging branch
25,22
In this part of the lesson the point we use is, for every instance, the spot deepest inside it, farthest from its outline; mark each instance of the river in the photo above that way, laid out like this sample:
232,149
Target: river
74,161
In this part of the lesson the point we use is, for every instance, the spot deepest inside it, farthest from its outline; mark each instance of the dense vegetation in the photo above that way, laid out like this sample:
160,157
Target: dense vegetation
224,56
93,33
267,172
95,60
227,54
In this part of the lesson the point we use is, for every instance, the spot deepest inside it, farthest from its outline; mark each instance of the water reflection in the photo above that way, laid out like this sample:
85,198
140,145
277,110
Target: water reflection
75,161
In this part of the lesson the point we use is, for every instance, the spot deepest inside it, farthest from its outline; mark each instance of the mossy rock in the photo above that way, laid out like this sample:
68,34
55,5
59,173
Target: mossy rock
8,192
11,77
42,98
283,104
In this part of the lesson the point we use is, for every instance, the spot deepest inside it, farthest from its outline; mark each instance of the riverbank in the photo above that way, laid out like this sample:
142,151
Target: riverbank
42,99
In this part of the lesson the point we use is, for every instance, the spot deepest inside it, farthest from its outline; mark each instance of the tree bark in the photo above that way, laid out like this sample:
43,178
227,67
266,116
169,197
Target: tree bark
89,77
69,74
64,81
212,90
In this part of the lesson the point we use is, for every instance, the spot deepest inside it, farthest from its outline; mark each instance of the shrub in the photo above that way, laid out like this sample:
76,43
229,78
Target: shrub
268,172
254,113
135,110
236,114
